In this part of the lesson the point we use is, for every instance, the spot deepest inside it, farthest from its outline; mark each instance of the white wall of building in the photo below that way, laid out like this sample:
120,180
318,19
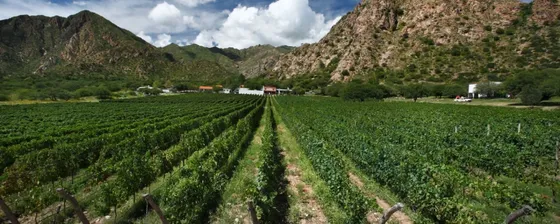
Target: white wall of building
247,91
473,91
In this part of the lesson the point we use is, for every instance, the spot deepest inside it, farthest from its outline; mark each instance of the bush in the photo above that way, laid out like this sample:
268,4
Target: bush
451,91
64,95
413,91
4,97
500,31
531,96
298,90
103,93
334,90
361,92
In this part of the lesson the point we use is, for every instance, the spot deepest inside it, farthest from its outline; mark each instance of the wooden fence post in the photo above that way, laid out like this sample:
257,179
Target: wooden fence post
557,164
488,130
518,214
387,215
77,209
8,212
519,128
156,208
252,212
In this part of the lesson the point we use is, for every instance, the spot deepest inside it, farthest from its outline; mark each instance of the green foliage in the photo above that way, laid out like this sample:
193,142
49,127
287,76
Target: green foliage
413,91
64,95
4,98
453,90
327,161
500,31
546,81
412,150
361,92
117,138
298,90
427,41
102,93
334,90
531,95
490,89
217,89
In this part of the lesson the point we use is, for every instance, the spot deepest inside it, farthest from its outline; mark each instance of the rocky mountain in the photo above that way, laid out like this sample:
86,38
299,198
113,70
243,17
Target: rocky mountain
86,45
250,62
433,40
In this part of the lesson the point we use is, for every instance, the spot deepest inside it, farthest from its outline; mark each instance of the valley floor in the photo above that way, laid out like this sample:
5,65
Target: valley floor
300,160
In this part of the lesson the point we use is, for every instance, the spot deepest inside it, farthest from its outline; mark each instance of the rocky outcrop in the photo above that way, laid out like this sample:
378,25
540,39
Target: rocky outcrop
426,39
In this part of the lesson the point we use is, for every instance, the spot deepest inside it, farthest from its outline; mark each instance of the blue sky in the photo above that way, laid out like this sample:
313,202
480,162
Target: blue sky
223,23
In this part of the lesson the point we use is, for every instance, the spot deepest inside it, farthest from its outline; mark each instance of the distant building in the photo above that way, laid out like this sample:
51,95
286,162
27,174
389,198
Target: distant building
166,90
283,91
474,93
143,87
270,90
247,91
205,88
226,91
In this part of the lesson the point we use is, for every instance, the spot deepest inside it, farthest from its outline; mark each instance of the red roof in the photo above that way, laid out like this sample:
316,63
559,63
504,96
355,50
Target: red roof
206,88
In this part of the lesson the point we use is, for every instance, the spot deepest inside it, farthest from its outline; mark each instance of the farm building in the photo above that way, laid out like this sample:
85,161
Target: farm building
205,88
144,87
474,91
283,91
247,91
270,90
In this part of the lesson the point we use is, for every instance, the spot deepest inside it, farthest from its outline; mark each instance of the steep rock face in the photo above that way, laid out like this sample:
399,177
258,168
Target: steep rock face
428,39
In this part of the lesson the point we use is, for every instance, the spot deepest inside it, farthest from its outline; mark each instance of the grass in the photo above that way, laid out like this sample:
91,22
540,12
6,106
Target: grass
295,156
233,205
554,103
20,102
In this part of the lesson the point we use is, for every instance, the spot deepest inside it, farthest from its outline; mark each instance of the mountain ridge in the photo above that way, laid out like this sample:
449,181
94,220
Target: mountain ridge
432,40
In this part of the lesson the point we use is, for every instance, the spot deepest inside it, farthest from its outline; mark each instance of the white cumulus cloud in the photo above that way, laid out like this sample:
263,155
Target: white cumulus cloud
162,40
165,13
144,37
80,3
284,22
194,3
167,18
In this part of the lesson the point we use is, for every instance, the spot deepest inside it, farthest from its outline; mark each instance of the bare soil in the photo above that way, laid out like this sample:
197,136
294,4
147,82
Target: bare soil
374,217
309,209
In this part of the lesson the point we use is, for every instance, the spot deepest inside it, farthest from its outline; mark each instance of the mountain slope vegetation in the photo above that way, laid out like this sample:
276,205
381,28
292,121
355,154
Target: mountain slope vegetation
434,40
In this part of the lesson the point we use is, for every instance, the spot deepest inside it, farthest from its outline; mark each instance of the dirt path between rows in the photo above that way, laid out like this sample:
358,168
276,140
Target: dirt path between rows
309,209
374,217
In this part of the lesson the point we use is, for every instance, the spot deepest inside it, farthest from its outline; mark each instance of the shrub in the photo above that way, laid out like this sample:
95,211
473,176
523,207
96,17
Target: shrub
500,31
4,97
361,92
488,28
64,95
531,96
102,93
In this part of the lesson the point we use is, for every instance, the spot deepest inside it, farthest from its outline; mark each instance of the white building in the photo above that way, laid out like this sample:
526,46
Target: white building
473,92
247,91
144,87
226,91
